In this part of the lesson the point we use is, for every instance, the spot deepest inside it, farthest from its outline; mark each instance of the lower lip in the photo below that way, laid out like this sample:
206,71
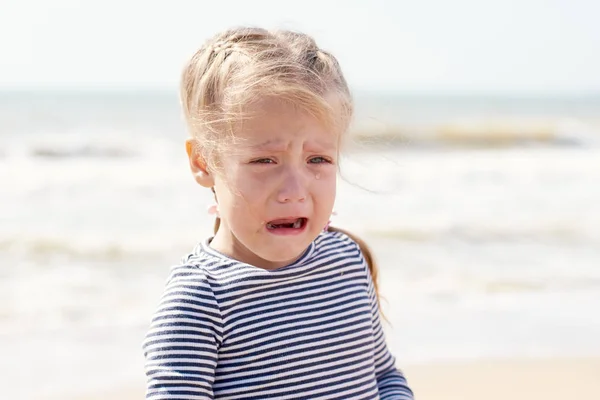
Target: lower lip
288,231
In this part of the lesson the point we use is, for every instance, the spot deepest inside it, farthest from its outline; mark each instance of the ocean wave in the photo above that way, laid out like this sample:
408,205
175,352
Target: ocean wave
472,234
85,151
136,247
87,144
445,287
480,133
467,133
96,250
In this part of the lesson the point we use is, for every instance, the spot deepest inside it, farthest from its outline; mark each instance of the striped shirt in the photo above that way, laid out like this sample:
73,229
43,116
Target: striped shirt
310,330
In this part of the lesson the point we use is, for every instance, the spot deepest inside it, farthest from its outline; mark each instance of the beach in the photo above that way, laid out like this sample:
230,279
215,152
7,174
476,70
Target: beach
487,239
515,379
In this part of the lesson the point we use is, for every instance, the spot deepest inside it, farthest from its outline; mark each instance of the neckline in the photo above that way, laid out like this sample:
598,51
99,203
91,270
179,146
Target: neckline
306,255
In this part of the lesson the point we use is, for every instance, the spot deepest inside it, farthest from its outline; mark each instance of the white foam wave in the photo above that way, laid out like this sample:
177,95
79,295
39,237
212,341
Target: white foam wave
544,233
77,249
87,143
138,246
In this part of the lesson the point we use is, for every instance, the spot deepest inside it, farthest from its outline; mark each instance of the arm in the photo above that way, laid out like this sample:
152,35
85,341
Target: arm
181,346
391,382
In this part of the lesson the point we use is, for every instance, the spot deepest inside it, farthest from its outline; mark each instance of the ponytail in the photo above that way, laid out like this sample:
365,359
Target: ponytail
217,220
217,225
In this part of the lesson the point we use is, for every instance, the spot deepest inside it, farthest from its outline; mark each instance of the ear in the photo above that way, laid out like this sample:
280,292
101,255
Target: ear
198,164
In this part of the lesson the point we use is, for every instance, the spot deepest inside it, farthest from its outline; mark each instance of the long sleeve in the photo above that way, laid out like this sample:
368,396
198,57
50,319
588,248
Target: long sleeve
181,345
391,382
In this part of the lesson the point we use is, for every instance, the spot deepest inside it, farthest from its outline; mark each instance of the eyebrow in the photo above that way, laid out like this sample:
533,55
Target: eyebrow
273,145
278,145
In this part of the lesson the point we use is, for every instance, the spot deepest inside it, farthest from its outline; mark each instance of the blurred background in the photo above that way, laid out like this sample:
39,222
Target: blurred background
474,172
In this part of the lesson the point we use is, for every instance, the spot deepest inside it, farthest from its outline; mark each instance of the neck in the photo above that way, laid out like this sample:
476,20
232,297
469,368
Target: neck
227,244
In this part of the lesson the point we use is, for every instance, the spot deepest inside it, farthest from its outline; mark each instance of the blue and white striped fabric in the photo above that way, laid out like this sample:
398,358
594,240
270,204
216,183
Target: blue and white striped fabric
310,330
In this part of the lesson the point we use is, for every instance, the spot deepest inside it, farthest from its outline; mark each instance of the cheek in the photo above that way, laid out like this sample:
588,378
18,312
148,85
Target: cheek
245,195
325,190
250,189
238,182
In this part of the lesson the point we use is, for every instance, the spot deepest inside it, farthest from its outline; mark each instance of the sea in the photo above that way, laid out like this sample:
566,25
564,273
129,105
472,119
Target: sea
483,212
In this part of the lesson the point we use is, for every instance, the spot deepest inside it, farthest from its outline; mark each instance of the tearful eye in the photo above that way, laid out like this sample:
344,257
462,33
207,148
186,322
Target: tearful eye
318,160
263,161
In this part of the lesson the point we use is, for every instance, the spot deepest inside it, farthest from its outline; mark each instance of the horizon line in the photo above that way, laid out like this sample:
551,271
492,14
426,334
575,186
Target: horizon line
361,91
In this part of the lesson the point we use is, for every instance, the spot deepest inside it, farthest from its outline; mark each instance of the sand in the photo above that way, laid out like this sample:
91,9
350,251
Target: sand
515,379
552,379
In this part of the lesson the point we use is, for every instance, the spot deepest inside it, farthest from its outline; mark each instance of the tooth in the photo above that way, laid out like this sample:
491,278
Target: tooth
298,223
270,226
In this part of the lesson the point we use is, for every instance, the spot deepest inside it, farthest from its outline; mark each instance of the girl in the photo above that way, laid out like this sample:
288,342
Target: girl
276,304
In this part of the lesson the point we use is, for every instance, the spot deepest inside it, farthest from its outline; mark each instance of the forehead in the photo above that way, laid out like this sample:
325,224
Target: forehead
275,123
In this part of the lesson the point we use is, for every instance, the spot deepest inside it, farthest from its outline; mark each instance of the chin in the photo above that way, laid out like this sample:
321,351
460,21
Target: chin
283,253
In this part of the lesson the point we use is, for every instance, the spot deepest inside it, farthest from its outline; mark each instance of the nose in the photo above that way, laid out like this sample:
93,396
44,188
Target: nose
293,187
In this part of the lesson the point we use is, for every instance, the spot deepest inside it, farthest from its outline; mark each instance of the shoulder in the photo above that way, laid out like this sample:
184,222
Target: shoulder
187,306
190,281
188,285
188,293
353,249
339,242
187,274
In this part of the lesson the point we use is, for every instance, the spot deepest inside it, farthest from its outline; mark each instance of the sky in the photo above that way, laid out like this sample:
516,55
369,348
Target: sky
507,46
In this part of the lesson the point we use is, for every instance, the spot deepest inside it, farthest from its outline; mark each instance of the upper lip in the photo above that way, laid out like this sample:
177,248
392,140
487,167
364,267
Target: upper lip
286,218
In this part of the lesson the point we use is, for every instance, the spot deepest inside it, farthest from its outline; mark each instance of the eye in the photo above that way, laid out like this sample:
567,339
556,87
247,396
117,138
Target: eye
262,161
318,160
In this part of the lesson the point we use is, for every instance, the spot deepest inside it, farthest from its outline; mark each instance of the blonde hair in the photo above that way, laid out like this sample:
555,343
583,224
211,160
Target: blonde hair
241,66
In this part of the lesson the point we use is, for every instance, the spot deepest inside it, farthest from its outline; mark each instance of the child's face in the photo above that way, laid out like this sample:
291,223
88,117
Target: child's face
277,188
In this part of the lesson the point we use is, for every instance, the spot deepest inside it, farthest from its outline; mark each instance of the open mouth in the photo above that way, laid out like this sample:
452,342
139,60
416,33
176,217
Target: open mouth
280,224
